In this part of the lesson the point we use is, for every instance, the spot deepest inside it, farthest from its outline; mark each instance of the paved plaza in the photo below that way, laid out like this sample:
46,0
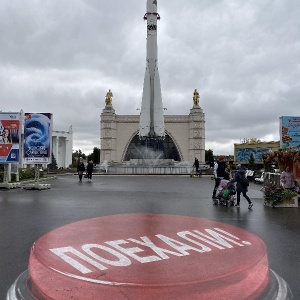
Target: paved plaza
26,215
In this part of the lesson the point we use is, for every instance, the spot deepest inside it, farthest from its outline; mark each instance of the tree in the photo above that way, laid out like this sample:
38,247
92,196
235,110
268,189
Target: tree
209,156
76,155
251,161
96,155
53,164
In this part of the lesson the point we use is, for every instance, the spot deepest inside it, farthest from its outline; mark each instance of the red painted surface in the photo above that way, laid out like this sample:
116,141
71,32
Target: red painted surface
5,149
186,269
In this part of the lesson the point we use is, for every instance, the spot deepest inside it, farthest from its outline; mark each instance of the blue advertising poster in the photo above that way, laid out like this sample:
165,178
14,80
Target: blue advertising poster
290,132
9,137
243,155
37,138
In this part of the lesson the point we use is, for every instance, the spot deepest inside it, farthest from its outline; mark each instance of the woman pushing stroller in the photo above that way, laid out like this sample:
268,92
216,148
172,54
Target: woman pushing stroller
239,178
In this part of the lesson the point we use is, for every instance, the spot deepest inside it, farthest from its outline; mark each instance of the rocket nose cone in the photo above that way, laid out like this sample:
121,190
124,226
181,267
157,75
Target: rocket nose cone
151,6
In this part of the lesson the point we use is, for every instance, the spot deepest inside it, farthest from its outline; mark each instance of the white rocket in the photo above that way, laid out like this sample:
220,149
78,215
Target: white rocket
151,118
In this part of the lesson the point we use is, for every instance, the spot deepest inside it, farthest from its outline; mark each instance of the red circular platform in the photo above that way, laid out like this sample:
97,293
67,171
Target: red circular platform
148,256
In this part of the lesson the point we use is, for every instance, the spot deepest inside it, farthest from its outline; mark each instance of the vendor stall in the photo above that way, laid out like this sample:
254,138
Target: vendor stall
275,193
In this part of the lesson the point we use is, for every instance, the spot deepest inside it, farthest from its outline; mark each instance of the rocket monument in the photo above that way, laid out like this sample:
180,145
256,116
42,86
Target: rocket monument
151,118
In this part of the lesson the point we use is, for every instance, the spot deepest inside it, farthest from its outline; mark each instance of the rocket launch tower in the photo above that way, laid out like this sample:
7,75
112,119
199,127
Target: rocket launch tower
151,118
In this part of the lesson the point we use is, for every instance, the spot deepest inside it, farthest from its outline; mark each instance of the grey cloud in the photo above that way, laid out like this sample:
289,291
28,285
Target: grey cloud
242,56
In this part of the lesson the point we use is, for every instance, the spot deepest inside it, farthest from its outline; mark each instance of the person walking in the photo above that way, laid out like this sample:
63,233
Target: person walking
219,173
240,188
227,172
196,165
80,169
287,179
89,169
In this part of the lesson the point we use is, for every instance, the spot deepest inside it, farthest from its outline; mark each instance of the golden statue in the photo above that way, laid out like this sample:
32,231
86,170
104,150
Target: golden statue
196,98
108,99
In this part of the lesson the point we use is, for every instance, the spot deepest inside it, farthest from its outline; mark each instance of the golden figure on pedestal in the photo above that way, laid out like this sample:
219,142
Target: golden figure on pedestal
196,98
108,99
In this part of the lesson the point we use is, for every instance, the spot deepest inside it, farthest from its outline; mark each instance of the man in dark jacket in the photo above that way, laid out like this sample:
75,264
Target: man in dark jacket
219,173
196,165
80,169
238,178
89,169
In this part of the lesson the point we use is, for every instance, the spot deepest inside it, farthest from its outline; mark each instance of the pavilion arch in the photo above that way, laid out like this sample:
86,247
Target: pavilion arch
167,148
185,137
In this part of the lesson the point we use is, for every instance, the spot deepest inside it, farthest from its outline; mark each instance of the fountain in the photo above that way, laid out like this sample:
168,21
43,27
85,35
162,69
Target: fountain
104,166
146,156
148,161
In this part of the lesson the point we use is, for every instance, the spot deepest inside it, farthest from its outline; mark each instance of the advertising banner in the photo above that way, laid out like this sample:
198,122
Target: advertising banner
37,138
243,155
289,132
10,137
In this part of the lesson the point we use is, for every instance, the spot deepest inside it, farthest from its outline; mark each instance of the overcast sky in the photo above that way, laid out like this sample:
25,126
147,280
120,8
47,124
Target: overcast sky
62,56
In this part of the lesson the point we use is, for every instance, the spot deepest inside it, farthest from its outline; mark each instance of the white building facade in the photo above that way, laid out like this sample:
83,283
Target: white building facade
185,135
62,147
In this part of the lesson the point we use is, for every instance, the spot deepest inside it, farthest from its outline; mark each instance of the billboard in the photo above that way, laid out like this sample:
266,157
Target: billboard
37,138
289,132
10,136
243,155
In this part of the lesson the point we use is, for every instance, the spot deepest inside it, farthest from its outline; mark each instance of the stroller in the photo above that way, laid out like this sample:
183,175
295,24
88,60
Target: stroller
225,193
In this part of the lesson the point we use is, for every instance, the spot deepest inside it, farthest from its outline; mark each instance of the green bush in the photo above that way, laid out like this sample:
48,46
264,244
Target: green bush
28,173
288,194
73,165
24,174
